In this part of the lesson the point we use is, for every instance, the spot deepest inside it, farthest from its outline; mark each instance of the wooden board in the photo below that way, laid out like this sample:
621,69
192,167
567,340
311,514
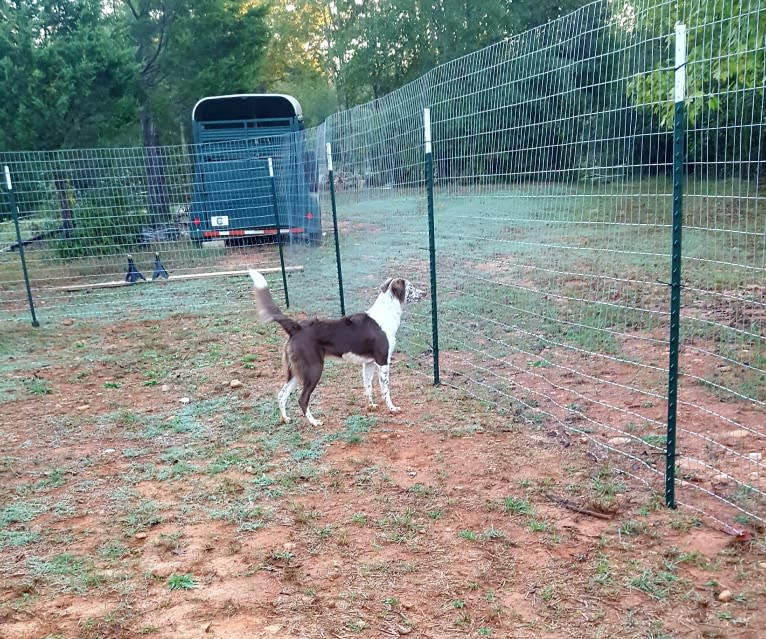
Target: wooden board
172,278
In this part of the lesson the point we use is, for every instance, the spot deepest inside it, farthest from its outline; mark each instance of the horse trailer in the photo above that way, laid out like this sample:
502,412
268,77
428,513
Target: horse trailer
233,197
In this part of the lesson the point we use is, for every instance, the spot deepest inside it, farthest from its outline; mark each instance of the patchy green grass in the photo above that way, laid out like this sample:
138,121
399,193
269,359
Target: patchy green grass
517,506
181,582
66,572
20,511
437,517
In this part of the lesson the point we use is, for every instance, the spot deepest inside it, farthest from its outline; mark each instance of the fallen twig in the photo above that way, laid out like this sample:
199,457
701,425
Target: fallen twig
565,503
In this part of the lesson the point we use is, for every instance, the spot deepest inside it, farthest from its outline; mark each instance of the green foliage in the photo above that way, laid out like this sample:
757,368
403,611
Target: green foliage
17,538
355,427
376,48
517,506
79,74
724,71
37,386
657,585
105,222
739,65
19,512
181,582
67,571
70,71
188,49
296,59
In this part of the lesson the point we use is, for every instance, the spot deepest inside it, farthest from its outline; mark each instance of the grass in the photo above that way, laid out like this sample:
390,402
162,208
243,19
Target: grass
355,426
657,585
538,525
517,506
400,526
223,463
18,538
247,516
66,571
469,535
607,485
20,511
181,582
655,440
113,550
141,515
604,572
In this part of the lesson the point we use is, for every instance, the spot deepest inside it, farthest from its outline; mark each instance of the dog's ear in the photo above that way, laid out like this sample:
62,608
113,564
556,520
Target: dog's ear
399,289
384,286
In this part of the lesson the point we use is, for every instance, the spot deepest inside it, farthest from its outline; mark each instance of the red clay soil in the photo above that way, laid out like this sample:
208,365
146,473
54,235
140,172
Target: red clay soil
149,490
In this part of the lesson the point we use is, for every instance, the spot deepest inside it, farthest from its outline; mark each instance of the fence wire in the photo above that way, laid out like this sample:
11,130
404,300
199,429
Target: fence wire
97,224
553,188
553,202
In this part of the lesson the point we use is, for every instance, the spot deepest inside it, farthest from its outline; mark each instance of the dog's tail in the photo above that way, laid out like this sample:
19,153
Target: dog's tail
268,311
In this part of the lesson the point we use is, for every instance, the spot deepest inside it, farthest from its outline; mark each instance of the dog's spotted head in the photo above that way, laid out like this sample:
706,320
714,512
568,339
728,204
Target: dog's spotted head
403,290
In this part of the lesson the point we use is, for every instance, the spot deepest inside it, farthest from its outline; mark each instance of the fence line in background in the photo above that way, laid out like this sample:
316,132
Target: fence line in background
552,219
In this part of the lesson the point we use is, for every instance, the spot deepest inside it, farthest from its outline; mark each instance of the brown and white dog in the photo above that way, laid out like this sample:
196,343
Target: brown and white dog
363,338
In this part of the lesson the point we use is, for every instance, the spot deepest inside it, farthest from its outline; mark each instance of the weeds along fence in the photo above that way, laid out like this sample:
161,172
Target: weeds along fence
564,170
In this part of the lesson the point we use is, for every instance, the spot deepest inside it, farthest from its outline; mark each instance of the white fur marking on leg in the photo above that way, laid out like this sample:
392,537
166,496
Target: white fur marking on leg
383,375
258,279
368,371
312,420
283,396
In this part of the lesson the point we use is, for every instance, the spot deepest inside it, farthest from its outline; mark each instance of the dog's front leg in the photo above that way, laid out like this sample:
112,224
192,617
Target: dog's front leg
383,379
311,419
368,369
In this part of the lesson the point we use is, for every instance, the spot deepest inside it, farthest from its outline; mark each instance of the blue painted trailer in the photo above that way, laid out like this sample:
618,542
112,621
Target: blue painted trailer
232,199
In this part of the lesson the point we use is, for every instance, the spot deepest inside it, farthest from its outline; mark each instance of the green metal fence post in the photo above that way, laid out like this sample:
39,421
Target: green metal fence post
22,257
279,230
331,178
431,238
675,263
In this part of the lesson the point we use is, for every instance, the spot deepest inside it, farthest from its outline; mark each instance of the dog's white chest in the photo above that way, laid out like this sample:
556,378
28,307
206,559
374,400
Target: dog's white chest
355,359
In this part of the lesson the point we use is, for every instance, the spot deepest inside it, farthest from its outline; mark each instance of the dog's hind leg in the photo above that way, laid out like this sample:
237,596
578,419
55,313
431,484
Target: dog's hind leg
383,379
283,396
368,370
310,380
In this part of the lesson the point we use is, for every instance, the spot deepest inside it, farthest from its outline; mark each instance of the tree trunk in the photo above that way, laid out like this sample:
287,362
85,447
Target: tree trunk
59,180
157,198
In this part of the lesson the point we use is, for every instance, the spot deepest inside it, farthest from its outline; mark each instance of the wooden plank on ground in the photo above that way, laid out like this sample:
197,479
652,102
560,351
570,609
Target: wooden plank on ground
188,276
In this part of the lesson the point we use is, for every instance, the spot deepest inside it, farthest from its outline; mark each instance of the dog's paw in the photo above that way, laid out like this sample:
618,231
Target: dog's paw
284,420
395,409
372,406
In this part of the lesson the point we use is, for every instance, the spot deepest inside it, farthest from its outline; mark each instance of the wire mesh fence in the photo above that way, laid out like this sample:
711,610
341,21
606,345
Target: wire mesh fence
93,222
553,154
553,210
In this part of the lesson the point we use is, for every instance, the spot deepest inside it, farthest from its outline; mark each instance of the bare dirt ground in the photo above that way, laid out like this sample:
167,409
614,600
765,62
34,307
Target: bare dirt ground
148,489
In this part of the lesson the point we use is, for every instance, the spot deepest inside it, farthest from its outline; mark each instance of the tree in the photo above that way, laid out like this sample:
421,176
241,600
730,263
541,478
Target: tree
188,49
296,60
69,69
725,71
215,47
377,46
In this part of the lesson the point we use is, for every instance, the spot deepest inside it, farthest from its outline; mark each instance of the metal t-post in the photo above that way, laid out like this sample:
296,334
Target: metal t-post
331,179
675,264
279,230
431,238
15,215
